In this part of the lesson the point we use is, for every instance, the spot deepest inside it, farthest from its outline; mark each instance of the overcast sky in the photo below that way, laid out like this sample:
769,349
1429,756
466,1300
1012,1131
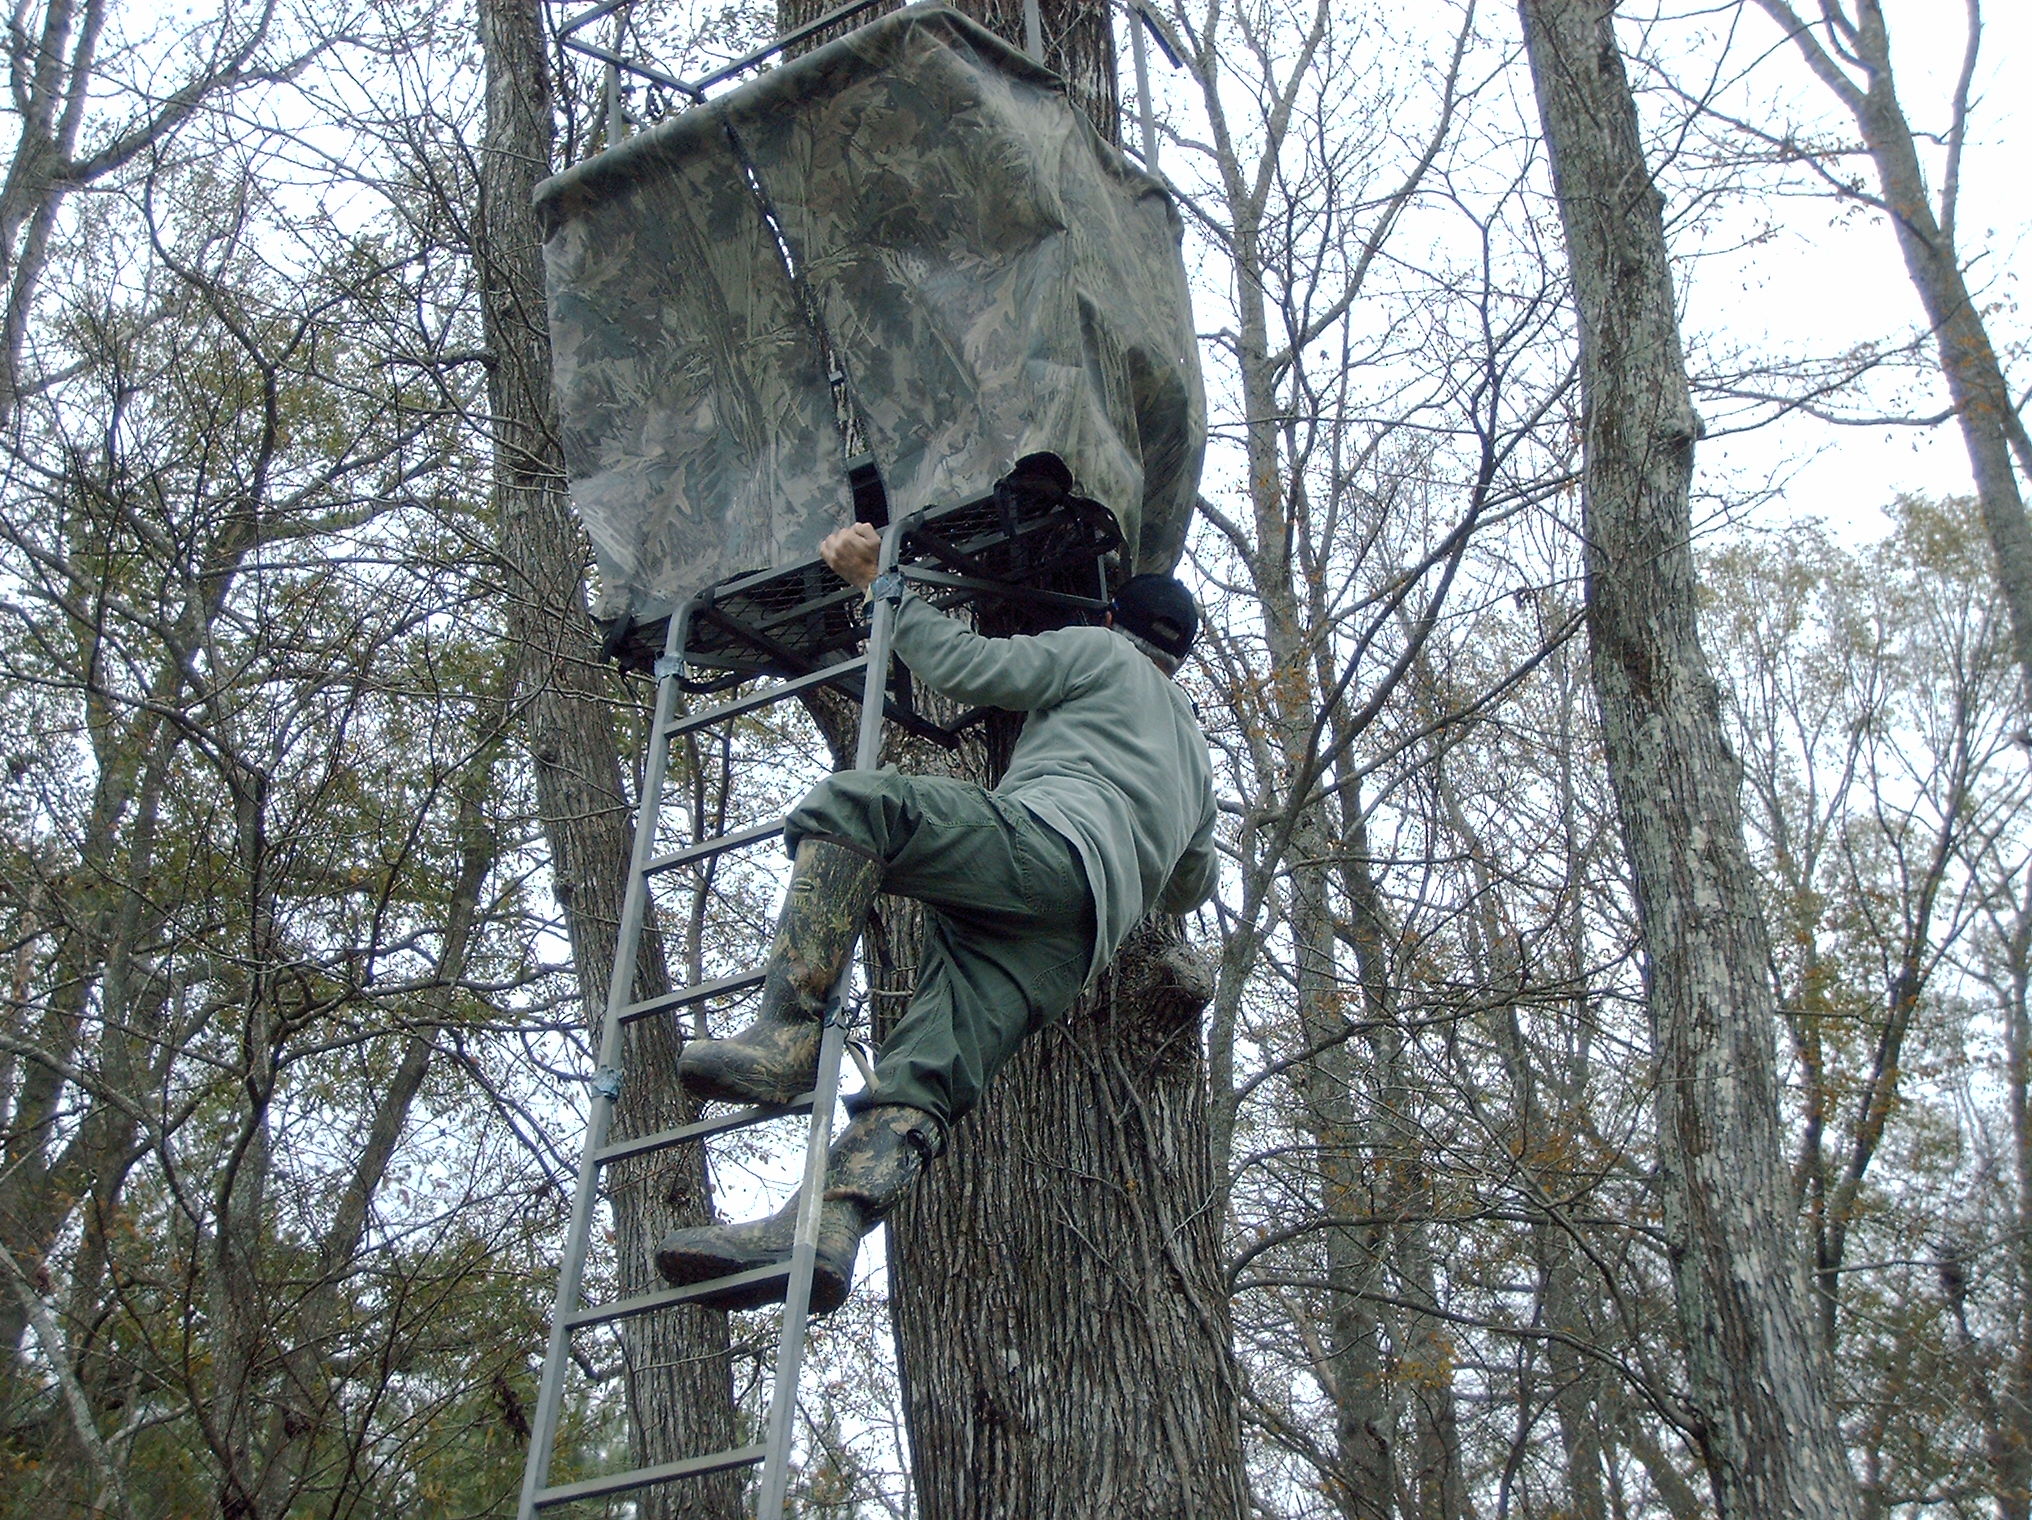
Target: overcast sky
1834,278
1777,276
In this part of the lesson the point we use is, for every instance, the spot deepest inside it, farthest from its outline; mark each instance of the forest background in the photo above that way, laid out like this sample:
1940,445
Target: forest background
293,1053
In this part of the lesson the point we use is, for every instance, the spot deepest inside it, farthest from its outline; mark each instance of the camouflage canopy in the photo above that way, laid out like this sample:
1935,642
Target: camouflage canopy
994,281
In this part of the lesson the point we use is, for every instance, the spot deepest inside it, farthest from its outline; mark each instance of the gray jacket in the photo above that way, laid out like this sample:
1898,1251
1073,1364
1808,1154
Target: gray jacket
1111,756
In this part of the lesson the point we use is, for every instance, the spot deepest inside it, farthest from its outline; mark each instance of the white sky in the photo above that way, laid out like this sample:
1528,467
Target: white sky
1786,277
1833,277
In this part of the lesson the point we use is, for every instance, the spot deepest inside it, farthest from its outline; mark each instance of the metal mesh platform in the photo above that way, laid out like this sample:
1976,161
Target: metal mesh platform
1014,548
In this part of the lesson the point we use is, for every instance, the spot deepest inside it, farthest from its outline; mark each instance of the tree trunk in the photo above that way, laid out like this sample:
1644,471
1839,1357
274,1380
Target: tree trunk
679,1389
1759,1376
1057,1293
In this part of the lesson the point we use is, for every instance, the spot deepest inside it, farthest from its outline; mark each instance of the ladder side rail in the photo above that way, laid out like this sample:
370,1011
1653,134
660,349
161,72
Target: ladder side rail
775,1481
881,634
606,1086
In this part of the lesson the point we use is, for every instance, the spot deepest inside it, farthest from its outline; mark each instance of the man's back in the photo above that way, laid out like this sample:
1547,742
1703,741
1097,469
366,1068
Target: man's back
1111,756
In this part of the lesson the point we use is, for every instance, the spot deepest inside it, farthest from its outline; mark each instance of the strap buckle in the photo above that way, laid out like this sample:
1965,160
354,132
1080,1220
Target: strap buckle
889,586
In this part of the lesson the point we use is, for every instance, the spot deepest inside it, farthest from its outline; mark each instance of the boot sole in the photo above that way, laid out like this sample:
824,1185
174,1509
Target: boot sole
710,1082
683,1265
709,1087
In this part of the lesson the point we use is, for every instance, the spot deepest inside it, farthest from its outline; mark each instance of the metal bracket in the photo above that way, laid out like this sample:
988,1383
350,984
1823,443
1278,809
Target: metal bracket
668,665
606,1082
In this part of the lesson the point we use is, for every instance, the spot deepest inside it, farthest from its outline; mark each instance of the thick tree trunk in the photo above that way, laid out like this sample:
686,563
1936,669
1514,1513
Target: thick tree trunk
1759,1376
679,1394
1056,1284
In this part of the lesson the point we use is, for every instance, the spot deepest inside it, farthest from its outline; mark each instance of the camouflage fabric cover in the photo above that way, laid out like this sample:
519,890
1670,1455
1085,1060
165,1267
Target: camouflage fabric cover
996,281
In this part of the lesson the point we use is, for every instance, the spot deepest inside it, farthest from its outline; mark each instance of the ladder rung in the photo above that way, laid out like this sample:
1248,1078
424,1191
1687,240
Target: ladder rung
775,692
664,1139
739,839
643,1477
698,992
664,1298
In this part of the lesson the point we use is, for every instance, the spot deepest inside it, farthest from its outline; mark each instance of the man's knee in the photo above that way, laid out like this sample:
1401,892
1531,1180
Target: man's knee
849,806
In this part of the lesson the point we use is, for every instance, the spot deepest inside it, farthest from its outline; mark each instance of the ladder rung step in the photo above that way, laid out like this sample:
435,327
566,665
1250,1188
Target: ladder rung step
644,1477
698,992
775,692
664,1298
739,839
664,1139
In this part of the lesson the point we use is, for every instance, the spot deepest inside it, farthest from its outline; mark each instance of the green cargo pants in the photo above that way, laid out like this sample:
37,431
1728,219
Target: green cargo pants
1008,923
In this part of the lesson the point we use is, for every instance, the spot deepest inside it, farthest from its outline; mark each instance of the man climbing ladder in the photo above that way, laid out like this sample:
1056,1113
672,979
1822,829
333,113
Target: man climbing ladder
1105,814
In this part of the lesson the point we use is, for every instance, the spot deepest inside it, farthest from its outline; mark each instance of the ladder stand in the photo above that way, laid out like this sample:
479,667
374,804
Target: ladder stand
789,627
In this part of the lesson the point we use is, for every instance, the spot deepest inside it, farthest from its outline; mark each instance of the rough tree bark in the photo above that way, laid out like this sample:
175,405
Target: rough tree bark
1989,422
679,1388
1055,1284
1760,1383
1056,1287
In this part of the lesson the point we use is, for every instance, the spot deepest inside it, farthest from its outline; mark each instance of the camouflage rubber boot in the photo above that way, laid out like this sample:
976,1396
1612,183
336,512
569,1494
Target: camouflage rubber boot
873,1163
775,1058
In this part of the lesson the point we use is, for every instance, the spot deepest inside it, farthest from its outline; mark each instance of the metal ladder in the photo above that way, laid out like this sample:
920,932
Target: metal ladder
570,1315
